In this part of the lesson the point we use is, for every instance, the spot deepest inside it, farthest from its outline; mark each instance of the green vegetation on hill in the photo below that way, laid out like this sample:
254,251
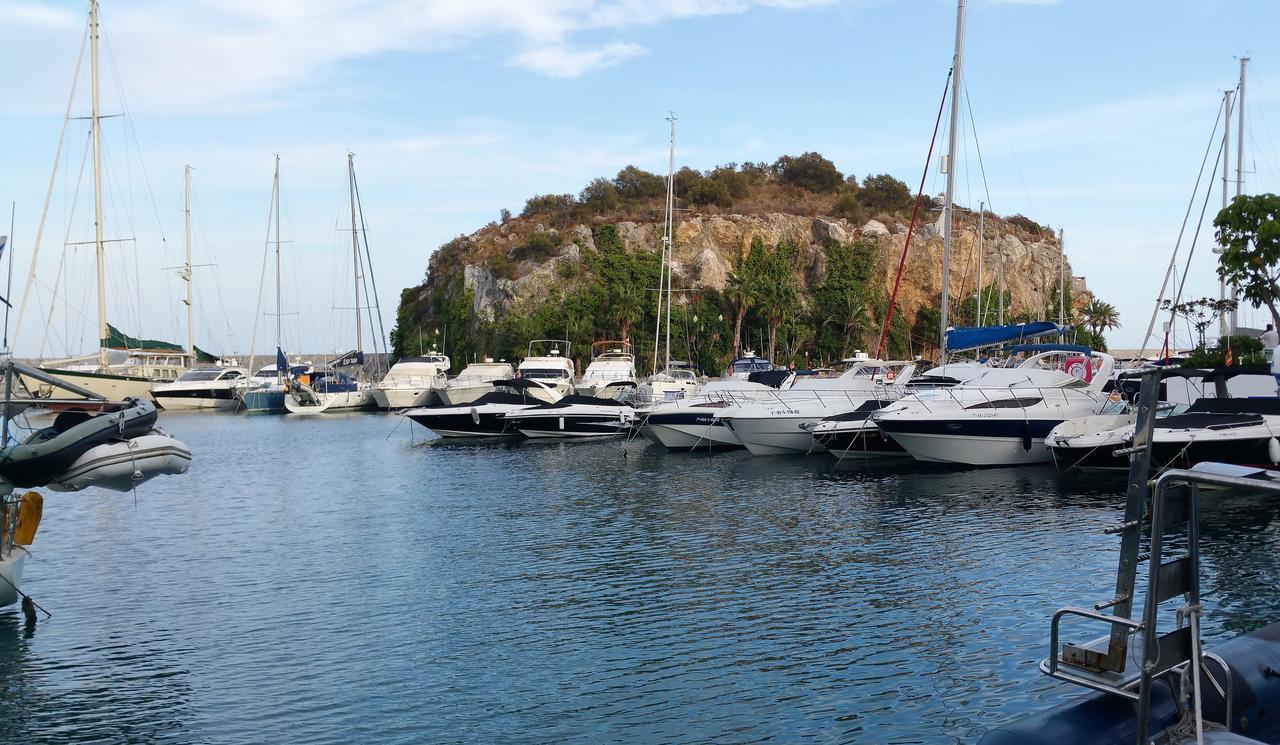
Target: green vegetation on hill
607,292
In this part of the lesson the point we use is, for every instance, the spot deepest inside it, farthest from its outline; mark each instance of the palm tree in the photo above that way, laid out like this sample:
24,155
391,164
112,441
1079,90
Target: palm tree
1100,317
738,290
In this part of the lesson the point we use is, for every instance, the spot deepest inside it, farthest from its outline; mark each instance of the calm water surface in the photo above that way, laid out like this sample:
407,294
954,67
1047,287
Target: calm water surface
328,580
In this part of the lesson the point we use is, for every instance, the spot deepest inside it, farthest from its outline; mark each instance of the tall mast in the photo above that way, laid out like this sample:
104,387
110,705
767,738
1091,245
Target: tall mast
1244,62
96,129
1225,324
982,214
1062,278
275,194
668,237
948,206
1000,253
186,271
355,246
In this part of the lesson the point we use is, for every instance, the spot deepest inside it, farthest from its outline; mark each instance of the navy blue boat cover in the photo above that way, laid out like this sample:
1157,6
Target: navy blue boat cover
960,339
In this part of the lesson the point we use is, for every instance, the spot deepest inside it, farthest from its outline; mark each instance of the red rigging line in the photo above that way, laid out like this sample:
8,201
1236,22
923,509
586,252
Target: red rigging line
897,280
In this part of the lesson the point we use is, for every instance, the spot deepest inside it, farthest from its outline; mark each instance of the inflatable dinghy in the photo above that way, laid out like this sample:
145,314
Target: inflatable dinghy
49,452
121,466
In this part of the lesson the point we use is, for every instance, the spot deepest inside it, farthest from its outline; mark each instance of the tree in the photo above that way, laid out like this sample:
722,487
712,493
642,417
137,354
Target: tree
884,192
600,196
709,191
740,289
776,289
810,171
636,184
1249,233
1199,313
548,204
1100,317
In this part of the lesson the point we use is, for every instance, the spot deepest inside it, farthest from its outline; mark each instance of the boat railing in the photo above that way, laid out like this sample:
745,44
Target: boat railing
414,380
9,506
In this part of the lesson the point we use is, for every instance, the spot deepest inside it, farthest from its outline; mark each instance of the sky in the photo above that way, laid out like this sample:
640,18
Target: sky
1091,116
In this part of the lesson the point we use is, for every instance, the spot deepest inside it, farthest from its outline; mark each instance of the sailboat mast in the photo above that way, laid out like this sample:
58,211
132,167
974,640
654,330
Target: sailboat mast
275,193
96,129
1244,63
186,274
948,207
668,238
1062,278
355,246
1224,324
982,214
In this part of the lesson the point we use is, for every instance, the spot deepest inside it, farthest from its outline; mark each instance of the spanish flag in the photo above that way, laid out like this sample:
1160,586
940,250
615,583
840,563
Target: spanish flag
1228,351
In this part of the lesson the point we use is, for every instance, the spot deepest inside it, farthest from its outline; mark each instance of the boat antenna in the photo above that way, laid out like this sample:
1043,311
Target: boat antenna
668,239
7,242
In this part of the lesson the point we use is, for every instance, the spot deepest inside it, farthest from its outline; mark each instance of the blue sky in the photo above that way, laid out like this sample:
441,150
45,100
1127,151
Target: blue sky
1092,116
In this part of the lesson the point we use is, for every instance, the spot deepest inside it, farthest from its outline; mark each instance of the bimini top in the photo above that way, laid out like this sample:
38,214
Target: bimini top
960,339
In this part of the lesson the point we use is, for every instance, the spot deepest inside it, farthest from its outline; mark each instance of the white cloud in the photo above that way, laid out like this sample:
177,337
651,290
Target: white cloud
237,54
562,62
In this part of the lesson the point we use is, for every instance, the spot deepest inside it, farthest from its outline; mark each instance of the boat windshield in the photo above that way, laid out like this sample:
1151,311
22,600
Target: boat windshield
543,374
195,375
754,364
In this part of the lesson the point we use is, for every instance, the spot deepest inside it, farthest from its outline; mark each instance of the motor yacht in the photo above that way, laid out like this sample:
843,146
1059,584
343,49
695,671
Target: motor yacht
780,424
611,373
204,388
1001,416
475,380
853,434
690,424
412,381
553,369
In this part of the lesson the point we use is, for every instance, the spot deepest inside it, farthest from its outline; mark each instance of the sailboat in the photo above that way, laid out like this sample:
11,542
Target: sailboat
672,381
265,391
330,389
147,361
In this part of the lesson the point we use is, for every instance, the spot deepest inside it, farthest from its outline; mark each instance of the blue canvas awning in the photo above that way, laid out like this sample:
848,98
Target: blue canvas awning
960,339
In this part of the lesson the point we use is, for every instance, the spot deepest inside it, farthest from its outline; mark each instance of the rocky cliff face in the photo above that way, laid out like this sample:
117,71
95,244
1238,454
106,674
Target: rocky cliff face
705,247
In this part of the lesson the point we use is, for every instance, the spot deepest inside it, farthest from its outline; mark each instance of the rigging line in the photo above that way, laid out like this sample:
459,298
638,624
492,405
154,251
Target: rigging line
128,120
897,280
44,211
262,279
1173,259
977,146
382,333
1195,236
84,160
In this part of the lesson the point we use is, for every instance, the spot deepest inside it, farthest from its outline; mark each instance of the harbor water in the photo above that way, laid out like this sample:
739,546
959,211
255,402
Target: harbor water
340,579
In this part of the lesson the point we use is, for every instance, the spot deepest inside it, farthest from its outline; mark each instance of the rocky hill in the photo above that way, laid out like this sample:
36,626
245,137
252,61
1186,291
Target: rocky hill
568,268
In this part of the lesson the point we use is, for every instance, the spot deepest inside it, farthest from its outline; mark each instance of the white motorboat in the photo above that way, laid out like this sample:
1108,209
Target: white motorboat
474,381
671,384
611,373
1214,428
780,424
853,434
574,416
201,388
1002,416
690,424
323,391
553,369
412,381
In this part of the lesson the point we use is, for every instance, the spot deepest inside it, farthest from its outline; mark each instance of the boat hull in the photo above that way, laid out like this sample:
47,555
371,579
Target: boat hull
208,399
329,402
11,576
263,401
404,398
466,424
866,441
110,387
122,466
973,442
774,435
686,431
537,424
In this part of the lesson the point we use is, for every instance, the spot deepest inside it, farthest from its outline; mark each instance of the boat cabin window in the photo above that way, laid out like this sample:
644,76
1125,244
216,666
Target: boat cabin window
1007,403
232,375
747,366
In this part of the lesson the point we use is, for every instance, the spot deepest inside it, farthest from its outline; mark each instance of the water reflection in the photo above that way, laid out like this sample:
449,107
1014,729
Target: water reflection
334,580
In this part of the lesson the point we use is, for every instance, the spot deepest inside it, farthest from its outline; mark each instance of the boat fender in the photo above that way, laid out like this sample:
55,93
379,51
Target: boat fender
1026,436
561,422
1273,450
475,416
29,512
